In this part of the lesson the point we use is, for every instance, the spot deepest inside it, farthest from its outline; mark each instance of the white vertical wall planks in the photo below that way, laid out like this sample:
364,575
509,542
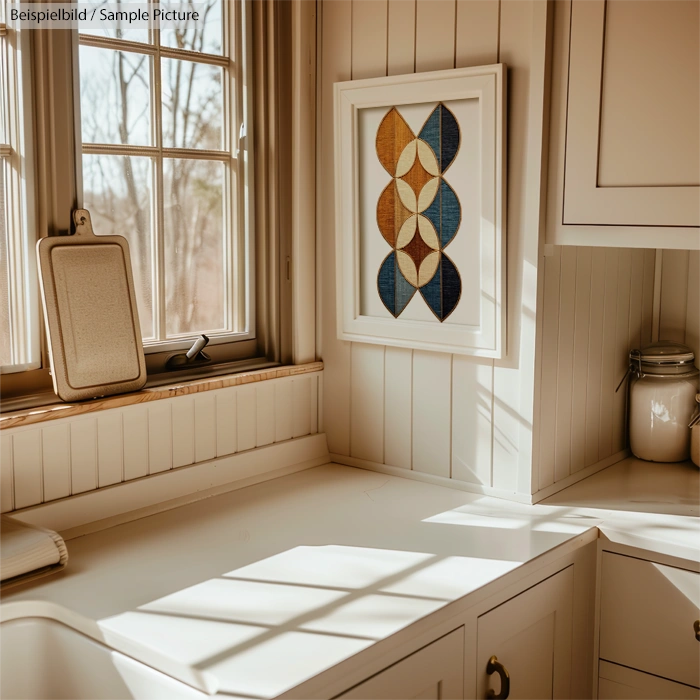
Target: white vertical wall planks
265,415
135,430
183,430
160,436
86,453
401,32
476,33
226,422
26,452
367,402
247,417
7,488
435,34
398,414
204,426
369,38
83,455
110,465
432,423
55,442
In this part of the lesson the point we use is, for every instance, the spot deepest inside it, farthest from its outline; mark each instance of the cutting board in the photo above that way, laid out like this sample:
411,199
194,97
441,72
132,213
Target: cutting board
92,323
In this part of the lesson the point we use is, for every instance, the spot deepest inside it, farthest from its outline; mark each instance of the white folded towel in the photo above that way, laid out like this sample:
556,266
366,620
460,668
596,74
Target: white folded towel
26,548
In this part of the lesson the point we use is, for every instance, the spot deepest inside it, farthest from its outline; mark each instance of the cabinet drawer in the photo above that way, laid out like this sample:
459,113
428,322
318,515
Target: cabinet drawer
647,613
620,683
435,672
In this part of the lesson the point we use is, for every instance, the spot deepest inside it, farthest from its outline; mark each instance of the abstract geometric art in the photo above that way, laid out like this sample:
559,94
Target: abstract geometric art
418,213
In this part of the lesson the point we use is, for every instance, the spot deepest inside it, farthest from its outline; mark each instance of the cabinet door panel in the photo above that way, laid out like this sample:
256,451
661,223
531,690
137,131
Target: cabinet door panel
531,636
620,683
614,149
435,672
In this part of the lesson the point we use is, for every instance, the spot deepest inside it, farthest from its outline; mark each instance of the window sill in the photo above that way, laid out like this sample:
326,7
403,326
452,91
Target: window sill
65,410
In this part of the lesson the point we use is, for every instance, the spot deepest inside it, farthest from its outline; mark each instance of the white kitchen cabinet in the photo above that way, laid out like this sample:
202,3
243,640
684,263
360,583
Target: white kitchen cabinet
530,635
621,683
435,672
648,614
624,166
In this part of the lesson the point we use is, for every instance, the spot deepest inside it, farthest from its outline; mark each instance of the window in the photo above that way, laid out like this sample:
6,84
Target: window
162,116
157,144
19,312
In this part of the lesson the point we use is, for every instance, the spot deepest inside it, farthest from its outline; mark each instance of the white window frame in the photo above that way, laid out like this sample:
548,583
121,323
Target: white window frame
238,201
17,161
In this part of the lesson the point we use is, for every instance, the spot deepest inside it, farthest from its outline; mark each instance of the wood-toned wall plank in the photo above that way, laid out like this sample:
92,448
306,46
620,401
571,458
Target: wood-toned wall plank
398,379
369,38
674,295
7,488
476,33
432,420
692,312
283,411
246,417
265,415
565,363
55,444
401,34
160,437
548,389
110,465
582,308
183,431
367,402
472,407
595,354
226,422
301,413
26,450
83,452
622,348
135,429
608,383
335,64
435,34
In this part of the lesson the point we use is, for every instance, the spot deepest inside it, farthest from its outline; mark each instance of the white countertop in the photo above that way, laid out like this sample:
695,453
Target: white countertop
270,585
650,505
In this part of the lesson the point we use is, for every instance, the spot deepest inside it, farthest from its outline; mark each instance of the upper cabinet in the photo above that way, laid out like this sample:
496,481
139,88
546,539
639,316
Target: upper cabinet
624,161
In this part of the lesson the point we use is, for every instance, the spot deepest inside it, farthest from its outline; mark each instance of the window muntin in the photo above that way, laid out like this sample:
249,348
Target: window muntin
160,119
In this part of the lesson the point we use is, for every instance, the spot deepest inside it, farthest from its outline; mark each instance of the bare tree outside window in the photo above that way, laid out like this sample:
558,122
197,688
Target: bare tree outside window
156,168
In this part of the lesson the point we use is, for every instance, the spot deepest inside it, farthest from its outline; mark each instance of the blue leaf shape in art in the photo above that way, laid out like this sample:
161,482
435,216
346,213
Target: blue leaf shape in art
441,133
395,290
443,292
445,213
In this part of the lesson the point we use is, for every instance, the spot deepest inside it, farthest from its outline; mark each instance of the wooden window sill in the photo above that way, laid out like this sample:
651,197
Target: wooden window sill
65,410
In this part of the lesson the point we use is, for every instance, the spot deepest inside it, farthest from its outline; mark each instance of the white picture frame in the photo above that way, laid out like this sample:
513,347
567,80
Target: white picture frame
479,94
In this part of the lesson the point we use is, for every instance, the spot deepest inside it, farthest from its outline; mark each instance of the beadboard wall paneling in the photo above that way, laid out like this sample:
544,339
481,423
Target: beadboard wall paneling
460,418
679,314
598,304
68,456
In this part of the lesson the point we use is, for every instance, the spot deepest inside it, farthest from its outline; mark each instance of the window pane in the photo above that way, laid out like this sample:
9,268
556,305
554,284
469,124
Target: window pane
117,192
203,35
195,258
114,29
114,96
5,338
192,104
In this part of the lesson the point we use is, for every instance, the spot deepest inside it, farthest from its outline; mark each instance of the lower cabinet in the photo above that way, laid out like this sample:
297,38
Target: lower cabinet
435,672
524,645
621,683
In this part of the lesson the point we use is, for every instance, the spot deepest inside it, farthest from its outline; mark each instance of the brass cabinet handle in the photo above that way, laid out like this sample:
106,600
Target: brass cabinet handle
696,627
495,666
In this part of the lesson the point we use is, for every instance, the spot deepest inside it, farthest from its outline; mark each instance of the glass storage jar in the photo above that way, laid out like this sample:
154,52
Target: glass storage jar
662,400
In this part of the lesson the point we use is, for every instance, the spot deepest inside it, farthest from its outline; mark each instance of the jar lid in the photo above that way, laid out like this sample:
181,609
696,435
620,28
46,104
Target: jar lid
664,352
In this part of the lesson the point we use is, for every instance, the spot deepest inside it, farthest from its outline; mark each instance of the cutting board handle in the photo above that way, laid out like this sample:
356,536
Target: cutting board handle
83,223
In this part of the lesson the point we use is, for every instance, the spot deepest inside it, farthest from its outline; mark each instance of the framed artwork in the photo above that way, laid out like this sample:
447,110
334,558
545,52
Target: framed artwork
420,210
